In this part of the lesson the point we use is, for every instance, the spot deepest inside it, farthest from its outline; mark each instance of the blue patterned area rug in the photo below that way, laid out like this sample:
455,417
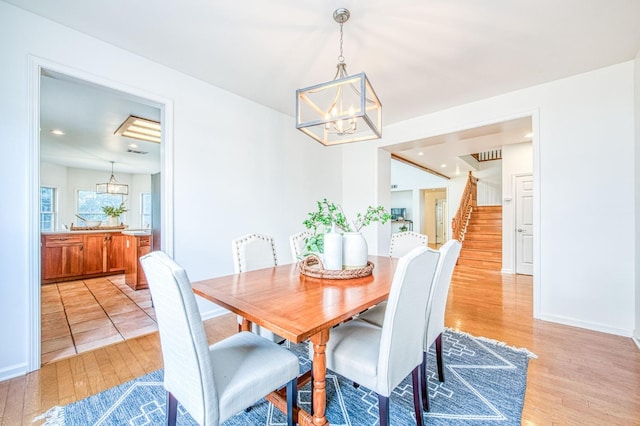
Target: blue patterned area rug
484,384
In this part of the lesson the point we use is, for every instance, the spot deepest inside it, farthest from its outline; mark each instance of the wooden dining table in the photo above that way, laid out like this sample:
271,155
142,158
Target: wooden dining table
298,307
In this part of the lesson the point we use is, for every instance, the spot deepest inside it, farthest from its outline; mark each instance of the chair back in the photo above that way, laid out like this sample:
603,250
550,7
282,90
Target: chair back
253,251
402,335
297,242
185,350
403,242
449,253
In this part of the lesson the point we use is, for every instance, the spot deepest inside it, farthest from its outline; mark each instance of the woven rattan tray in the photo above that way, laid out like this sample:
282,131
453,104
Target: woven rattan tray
312,266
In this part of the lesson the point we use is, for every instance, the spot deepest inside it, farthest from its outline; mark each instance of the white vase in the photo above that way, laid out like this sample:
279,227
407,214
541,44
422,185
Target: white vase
354,250
112,221
332,256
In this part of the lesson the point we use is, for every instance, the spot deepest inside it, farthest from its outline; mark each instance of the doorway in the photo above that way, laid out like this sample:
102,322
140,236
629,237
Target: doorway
40,69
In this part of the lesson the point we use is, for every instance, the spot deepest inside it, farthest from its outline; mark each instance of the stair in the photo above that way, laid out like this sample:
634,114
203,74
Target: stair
482,245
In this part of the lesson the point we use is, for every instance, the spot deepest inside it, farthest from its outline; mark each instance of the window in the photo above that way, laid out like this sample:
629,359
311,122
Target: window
145,210
47,208
90,204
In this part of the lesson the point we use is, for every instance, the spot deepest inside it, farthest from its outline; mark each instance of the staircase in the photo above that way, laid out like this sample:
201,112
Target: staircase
482,245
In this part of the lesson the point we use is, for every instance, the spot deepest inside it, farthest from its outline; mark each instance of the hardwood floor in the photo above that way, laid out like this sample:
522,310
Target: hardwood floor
580,377
82,315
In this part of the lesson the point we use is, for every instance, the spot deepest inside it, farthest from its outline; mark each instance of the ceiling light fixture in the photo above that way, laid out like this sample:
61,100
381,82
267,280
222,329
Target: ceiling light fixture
58,132
112,187
345,109
140,128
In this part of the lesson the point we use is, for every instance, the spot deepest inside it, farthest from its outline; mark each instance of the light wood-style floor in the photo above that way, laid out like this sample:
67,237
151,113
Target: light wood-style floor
580,377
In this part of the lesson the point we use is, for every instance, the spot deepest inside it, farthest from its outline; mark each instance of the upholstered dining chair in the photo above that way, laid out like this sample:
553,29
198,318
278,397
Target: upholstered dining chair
213,382
297,242
379,358
403,242
253,251
250,252
449,253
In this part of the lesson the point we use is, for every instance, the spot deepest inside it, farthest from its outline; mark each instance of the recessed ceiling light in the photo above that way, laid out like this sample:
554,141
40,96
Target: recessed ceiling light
528,135
57,132
132,145
140,128
421,153
443,165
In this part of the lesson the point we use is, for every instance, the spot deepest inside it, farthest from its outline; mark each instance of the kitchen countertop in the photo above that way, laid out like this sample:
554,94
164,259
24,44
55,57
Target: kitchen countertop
98,231
137,232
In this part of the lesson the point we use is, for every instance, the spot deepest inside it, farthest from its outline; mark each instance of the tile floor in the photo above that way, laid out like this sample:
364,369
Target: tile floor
78,316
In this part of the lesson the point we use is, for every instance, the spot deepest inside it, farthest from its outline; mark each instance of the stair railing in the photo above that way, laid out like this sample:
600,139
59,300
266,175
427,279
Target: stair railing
468,202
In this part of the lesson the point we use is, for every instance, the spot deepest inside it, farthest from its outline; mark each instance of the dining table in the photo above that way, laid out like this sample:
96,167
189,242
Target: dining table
300,308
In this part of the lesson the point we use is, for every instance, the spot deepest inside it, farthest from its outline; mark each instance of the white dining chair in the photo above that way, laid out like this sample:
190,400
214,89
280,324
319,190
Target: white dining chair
298,242
215,382
434,325
403,242
251,252
379,358
449,254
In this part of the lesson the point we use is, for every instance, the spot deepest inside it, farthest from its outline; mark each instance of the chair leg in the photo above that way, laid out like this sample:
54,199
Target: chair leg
439,357
292,400
424,382
383,410
416,395
171,410
311,402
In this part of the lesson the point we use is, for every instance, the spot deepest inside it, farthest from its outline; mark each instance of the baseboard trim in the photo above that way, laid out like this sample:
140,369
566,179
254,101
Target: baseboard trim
209,309
12,371
587,325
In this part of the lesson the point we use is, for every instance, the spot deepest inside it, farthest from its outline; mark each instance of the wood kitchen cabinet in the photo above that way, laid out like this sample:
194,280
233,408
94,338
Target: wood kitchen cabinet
95,253
115,250
68,256
136,246
62,256
103,253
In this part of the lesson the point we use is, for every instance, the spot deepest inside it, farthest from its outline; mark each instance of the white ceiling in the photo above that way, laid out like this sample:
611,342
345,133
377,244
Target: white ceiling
420,56
89,115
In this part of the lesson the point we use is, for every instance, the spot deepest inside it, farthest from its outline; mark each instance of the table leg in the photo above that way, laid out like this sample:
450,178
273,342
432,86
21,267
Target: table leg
319,393
246,325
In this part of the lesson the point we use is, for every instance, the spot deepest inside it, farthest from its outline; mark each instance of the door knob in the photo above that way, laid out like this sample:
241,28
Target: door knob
520,229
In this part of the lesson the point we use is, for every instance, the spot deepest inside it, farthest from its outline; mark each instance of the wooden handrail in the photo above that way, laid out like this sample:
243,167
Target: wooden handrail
468,202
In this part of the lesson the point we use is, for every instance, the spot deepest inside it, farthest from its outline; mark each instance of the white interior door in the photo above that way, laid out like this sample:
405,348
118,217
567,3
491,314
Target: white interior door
524,225
440,221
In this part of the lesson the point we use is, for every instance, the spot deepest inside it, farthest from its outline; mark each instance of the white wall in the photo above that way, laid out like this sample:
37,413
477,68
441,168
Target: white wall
68,180
403,199
578,279
517,159
237,165
413,180
489,184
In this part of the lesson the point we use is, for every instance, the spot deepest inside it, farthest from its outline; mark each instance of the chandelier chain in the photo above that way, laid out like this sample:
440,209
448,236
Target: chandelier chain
341,57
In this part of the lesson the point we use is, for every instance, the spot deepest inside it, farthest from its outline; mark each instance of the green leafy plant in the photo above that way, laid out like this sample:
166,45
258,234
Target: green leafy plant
113,211
329,213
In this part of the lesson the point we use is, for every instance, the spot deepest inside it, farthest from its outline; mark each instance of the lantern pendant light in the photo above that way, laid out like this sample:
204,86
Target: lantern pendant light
345,109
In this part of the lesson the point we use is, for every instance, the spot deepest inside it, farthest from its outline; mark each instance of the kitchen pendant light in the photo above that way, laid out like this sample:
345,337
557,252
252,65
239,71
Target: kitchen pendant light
345,109
112,187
